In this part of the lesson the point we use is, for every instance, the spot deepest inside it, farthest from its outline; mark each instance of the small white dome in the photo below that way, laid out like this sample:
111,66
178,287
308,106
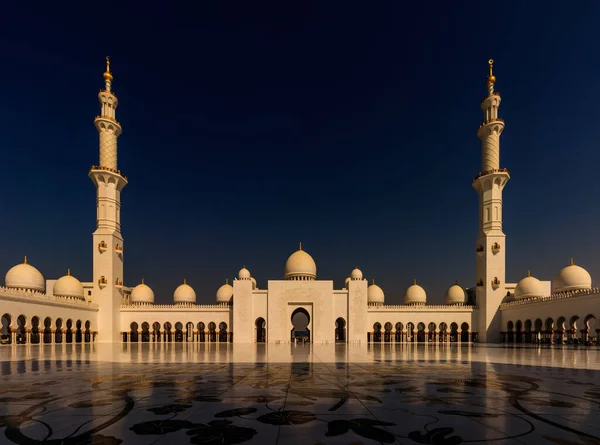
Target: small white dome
300,265
356,274
225,293
455,295
346,281
254,286
415,294
375,294
68,286
244,274
25,276
184,294
142,294
570,278
529,287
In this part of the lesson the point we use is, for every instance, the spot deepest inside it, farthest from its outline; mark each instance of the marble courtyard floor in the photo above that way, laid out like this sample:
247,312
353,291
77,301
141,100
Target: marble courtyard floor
313,394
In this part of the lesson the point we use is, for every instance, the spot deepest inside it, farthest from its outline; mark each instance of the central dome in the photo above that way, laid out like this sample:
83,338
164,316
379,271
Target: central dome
300,266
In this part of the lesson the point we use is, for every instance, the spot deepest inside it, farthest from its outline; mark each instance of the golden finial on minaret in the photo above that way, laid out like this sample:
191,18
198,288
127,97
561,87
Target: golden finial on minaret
25,260
69,272
571,263
107,74
491,78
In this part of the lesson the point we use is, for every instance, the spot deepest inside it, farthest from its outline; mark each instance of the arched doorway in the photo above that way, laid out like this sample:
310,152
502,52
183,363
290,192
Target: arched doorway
78,333
387,332
340,330
21,335
519,332
35,330
453,332
202,332
431,332
133,333
69,334
261,334
189,332
377,332
421,332
399,329
510,335
6,336
145,332
464,332
300,322
88,333
410,332
223,332
48,331
167,327
156,331
528,331
212,332
443,332
178,332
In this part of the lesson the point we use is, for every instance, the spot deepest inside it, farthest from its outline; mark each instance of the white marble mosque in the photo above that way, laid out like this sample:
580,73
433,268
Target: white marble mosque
299,306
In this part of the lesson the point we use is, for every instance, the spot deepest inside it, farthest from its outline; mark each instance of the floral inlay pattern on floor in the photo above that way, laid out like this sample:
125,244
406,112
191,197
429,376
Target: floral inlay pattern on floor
307,403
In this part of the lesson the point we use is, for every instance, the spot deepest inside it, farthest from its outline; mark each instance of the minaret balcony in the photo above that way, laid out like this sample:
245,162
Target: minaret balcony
102,282
495,248
495,283
480,250
119,250
119,284
480,283
489,172
102,246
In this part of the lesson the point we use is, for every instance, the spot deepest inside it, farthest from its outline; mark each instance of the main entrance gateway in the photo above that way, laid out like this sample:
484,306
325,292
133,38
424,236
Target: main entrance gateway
300,322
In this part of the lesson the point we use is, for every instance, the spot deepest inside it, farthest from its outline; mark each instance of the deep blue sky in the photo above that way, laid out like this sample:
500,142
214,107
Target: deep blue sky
251,126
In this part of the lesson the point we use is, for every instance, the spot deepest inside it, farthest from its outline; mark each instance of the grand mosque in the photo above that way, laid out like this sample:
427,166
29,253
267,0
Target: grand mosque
65,310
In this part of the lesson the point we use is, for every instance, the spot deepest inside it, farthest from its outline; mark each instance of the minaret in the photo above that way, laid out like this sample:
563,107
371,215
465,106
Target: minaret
108,242
491,240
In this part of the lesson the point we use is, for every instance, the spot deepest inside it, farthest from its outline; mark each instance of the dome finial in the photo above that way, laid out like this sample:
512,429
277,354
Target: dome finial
69,272
142,280
571,263
25,260
373,281
107,74
456,282
226,280
491,78
414,281
528,273
185,281
300,246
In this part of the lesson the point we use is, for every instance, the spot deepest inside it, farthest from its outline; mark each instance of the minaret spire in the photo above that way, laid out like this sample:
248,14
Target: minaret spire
108,78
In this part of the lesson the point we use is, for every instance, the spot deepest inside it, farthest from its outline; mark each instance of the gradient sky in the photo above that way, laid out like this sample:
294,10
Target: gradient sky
249,127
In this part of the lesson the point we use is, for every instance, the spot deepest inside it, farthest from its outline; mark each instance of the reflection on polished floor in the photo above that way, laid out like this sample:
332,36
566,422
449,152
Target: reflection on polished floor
312,394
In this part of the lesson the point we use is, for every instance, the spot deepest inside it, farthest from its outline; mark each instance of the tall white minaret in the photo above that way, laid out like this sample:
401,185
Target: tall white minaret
491,240
108,242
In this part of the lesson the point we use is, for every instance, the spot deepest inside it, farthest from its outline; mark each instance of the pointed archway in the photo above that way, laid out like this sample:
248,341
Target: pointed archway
300,322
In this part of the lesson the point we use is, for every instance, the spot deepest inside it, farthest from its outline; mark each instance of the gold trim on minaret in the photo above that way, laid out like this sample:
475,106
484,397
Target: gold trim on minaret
107,74
491,78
